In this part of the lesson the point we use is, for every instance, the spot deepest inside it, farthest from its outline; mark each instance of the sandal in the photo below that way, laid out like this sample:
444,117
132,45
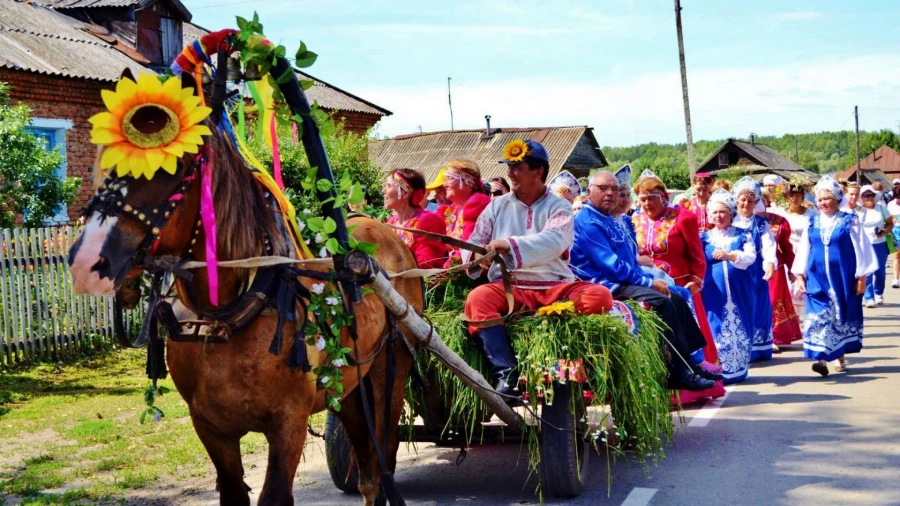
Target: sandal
821,368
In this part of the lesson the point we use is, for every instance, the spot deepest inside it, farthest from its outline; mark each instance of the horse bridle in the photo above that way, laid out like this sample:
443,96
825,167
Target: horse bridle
109,203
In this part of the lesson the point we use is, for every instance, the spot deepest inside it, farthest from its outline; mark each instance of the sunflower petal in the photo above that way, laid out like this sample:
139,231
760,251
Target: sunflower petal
104,136
190,102
112,100
174,149
138,165
149,84
155,159
196,116
190,147
172,87
111,156
125,87
170,164
201,129
104,120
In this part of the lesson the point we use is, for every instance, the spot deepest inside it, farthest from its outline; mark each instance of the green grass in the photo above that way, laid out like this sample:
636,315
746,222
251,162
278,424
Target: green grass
62,423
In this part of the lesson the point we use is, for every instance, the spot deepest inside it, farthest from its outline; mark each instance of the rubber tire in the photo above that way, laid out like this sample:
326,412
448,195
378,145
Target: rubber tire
337,455
563,444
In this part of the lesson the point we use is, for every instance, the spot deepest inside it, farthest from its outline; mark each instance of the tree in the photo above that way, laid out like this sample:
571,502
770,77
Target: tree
29,186
347,152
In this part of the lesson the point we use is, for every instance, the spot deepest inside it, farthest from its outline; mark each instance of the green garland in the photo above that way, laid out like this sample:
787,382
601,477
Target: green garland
627,371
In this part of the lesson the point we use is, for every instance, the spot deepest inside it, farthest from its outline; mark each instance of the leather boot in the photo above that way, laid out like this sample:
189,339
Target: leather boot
681,377
494,343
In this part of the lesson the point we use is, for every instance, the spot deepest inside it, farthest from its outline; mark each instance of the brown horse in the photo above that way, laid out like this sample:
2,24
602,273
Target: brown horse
239,387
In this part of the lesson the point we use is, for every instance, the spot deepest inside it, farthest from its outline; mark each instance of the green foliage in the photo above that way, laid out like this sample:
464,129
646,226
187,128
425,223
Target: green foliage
28,183
625,370
822,152
347,152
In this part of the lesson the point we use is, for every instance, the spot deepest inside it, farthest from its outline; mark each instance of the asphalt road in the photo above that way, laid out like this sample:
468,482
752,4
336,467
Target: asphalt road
786,436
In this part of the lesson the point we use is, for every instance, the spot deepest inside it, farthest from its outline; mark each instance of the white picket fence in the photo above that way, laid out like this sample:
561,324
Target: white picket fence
40,315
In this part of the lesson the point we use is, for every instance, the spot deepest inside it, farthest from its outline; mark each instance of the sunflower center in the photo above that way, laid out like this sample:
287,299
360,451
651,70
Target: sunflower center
150,126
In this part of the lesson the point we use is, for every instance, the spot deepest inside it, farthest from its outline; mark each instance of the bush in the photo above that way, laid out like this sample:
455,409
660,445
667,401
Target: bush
28,183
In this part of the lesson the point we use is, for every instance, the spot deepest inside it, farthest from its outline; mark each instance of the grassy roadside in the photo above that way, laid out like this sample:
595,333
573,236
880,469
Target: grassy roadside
70,434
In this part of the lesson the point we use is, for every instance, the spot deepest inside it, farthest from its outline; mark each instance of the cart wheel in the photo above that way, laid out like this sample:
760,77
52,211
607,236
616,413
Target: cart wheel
337,454
565,449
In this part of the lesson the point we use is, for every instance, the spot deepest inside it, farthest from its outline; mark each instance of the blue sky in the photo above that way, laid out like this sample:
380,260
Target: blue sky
768,67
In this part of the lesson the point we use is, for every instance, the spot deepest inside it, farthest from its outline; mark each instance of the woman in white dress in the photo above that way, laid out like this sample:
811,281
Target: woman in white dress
877,224
799,216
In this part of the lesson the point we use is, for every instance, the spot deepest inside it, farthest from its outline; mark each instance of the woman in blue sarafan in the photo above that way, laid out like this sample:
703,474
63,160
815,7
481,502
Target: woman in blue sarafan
747,195
831,263
728,291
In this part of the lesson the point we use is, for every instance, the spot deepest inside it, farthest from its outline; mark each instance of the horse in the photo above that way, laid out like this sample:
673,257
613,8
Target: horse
241,386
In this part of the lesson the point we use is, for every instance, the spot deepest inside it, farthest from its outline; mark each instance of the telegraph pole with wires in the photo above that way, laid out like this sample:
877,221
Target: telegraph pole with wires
684,91
450,103
856,116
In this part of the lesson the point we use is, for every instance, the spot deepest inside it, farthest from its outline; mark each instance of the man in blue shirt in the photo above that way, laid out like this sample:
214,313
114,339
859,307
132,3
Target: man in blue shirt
602,254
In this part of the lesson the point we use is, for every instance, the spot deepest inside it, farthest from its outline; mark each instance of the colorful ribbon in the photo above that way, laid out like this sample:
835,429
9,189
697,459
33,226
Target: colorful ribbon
276,154
208,216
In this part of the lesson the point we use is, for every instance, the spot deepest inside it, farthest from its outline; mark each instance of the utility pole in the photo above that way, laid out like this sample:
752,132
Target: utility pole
796,151
684,91
450,102
856,117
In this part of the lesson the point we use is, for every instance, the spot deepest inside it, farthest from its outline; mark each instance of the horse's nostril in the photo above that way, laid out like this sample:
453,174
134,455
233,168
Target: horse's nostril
99,266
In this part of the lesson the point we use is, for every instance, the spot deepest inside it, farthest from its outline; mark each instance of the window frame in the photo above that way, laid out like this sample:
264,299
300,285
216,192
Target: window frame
59,127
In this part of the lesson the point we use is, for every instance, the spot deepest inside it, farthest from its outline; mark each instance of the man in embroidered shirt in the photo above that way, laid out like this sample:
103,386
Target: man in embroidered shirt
531,229
602,254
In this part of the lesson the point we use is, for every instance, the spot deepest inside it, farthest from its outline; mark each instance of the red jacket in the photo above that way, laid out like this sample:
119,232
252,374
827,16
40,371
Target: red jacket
429,253
460,223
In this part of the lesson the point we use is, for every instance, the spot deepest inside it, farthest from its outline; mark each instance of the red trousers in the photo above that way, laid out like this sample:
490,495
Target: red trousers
489,301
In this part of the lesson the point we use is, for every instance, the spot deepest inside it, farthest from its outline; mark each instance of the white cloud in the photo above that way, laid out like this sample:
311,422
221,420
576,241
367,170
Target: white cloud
724,102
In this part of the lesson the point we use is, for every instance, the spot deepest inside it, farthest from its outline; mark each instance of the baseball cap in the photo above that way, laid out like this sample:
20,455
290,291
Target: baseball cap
438,181
533,149
896,181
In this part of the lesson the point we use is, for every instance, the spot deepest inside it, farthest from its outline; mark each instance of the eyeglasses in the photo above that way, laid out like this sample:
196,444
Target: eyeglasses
606,188
868,195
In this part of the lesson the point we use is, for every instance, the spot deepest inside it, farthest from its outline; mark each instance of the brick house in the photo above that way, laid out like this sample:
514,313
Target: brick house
57,57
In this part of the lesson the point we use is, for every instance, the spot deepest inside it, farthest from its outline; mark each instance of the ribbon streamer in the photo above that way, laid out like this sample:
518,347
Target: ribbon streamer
242,129
208,215
294,131
276,154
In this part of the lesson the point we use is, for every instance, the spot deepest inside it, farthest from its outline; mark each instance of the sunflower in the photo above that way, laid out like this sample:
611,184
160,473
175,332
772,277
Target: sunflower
515,151
148,125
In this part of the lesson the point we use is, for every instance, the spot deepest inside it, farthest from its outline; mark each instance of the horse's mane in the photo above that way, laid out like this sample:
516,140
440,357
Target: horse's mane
243,219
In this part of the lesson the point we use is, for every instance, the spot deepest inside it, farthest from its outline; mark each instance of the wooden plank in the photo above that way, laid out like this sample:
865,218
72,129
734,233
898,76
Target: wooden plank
39,275
27,320
52,291
14,296
68,294
5,311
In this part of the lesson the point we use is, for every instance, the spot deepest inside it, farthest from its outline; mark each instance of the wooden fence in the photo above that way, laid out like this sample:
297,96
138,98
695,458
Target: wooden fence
40,315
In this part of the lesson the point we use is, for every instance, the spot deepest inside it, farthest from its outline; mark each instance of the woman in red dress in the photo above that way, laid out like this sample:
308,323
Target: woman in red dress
404,192
670,236
462,184
785,322
697,205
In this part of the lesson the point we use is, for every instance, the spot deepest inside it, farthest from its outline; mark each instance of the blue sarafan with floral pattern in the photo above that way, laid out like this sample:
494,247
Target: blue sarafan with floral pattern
834,314
729,298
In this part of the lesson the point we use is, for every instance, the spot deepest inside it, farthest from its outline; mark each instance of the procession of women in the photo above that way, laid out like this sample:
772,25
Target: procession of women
759,267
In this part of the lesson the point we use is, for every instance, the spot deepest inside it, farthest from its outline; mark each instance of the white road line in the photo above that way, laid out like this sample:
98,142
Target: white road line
709,410
639,497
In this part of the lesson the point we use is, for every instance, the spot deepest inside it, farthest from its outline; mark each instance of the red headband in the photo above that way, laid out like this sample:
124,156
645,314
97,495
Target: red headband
416,195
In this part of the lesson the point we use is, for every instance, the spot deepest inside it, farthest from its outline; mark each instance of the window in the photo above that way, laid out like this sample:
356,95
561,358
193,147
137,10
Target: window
53,133
723,160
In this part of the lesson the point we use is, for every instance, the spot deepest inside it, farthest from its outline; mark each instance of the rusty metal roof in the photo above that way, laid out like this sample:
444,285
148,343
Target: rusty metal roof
327,95
428,152
36,39
139,4
884,158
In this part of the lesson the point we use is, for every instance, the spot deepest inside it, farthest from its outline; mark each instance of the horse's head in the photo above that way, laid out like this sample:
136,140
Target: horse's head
147,152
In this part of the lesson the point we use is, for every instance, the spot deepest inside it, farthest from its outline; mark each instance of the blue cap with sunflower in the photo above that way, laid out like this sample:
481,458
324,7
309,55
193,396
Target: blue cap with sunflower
518,149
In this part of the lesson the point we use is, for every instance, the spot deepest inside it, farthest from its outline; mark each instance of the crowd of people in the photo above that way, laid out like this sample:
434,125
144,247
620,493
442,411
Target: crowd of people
735,271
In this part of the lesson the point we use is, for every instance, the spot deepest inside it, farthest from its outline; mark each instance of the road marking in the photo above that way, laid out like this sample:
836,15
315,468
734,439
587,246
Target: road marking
709,410
639,497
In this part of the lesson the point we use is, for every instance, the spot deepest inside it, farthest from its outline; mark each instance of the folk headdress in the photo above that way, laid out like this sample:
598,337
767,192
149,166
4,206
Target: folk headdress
648,175
623,176
799,184
584,183
148,125
828,184
722,197
463,176
565,185
746,184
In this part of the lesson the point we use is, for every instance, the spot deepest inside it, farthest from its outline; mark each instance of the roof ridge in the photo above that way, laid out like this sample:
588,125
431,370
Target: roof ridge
49,36
481,130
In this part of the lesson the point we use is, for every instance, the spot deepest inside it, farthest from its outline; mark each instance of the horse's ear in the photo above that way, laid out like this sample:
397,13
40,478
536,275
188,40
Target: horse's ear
127,73
188,81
